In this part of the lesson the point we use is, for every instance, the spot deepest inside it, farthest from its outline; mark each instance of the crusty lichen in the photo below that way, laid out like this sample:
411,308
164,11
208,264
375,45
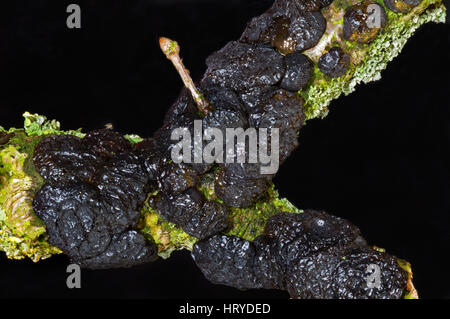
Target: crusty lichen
248,223
22,234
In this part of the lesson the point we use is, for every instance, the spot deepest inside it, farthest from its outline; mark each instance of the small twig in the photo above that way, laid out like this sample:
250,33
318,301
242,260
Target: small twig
172,51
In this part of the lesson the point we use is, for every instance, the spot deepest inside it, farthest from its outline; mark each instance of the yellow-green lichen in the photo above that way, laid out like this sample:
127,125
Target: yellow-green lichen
167,236
410,291
38,125
22,233
133,138
249,223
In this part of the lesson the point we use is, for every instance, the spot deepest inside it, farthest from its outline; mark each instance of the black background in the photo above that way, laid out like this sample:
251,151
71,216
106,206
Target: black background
379,159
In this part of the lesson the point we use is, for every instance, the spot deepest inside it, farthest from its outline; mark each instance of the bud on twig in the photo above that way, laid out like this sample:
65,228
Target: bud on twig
172,51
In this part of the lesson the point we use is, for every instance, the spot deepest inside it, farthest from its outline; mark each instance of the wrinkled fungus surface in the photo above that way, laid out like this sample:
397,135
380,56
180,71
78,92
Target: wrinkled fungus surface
334,63
311,255
364,21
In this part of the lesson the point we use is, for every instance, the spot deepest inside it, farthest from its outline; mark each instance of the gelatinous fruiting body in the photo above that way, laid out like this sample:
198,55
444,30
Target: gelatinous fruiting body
334,63
311,255
241,66
402,6
228,261
5,137
198,217
298,72
289,26
364,21
248,84
96,187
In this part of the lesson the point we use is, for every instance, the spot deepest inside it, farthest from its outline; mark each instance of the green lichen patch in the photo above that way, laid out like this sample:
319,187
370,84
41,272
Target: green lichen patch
133,139
38,125
250,222
167,236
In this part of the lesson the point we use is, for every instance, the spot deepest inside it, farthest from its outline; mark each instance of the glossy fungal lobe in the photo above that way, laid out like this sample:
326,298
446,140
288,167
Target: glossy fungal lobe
237,190
298,72
228,261
289,26
91,203
299,33
311,255
198,217
241,66
334,63
364,21
5,137
401,6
